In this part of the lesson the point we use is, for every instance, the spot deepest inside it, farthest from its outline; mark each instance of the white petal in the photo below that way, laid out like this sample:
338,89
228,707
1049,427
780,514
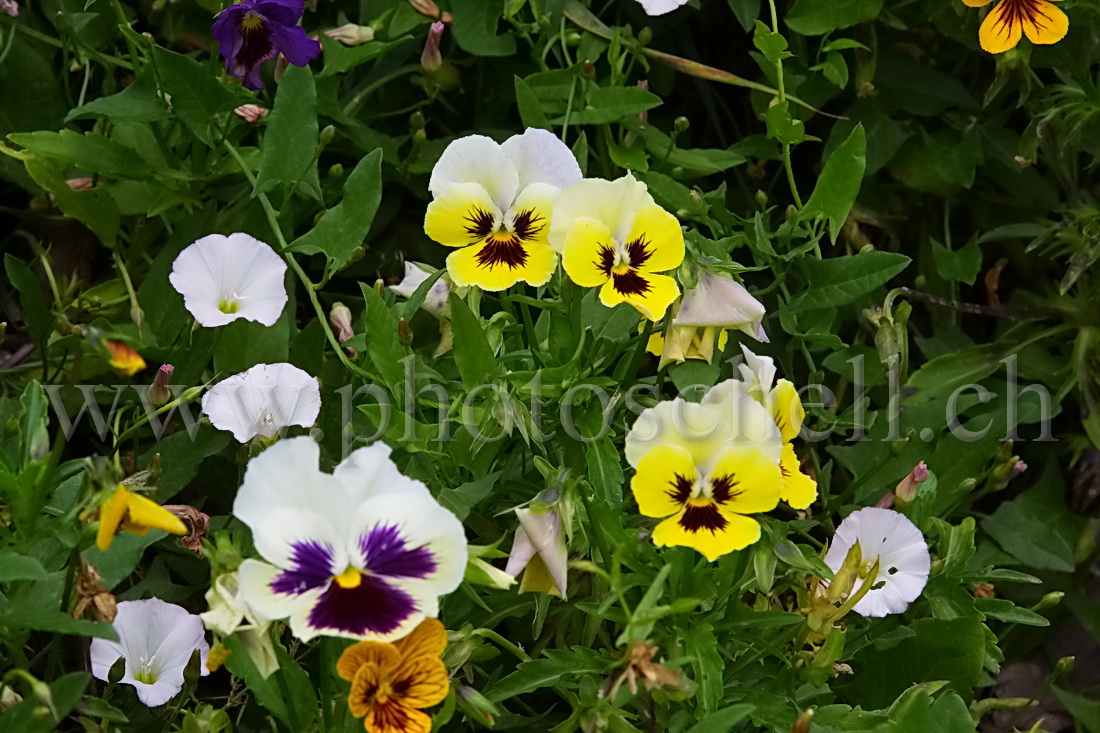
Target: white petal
227,608
263,400
476,159
613,203
164,689
435,302
522,552
544,531
721,302
255,579
104,654
369,472
660,7
758,372
237,269
540,157
414,276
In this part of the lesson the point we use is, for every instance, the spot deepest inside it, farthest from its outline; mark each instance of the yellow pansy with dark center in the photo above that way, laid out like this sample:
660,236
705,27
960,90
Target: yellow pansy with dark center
707,513
1039,20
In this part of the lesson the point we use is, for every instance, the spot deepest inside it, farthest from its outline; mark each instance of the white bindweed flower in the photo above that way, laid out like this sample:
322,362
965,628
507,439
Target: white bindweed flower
660,7
435,302
492,204
364,552
721,302
263,400
230,614
157,640
223,278
902,554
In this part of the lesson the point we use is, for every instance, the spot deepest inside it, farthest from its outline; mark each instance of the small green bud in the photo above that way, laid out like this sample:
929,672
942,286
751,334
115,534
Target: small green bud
117,671
336,171
588,69
193,670
419,137
476,705
645,36
1050,600
802,725
572,38
416,120
791,213
327,135
761,199
681,124
380,288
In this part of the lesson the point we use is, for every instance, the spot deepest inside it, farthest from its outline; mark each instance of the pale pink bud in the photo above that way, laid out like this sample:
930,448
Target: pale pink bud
159,392
351,34
10,7
79,184
906,491
431,10
251,112
431,59
340,320
1019,468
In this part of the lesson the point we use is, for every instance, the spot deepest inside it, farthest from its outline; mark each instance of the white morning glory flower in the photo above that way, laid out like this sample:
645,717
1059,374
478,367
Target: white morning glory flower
492,204
263,400
660,7
364,552
223,278
902,554
157,640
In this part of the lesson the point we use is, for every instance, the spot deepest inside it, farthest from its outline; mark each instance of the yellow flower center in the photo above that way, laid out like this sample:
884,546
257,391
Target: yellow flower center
228,307
620,269
350,578
251,22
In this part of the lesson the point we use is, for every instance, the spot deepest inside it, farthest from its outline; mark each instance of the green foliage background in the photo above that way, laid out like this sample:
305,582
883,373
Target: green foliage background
833,148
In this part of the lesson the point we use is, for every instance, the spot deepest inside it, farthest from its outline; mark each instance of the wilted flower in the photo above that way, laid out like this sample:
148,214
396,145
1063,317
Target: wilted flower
612,236
263,400
363,552
159,392
392,683
251,112
652,674
493,203
660,7
157,640
83,183
351,34
435,301
1039,20
431,59
230,614
198,522
122,510
92,595
721,302
893,542
123,358
255,31
223,278
539,551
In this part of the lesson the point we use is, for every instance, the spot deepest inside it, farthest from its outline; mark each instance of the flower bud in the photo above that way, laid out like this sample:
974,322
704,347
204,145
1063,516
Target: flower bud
1050,600
251,112
802,725
340,320
761,198
588,69
380,288
79,184
645,35
845,579
193,670
351,34
336,171
906,491
476,705
681,124
117,671
10,7
416,120
431,59
327,134
404,332
431,10
159,393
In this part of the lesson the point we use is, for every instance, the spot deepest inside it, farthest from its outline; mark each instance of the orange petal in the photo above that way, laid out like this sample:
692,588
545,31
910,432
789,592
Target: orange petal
394,717
429,639
364,688
425,682
355,656
1045,24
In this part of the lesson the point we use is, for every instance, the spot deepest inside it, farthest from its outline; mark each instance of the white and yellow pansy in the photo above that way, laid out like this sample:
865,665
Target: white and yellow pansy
492,203
612,235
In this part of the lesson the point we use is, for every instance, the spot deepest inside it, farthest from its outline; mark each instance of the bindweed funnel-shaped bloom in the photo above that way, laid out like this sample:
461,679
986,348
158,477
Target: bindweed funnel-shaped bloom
392,683
898,546
263,400
222,279
157,640
1039,20
539,552
612,236
254,31
363,552
660,7
123,510
493,203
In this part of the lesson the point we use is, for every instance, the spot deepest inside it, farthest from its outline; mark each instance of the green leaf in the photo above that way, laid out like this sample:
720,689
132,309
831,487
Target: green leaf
611,104
289,149
722,721
1003,609
92,152
605,472
549,670
243,344
198,98
530,110
137,104
475,358
342,229
475,24
31,716
94,207
838,281
14,566
839,183
36,312
818,17
123,556
802,557
383,348
746,11
48,619
1085,712
703,646
340,58
782,127
962,265
1020,527
773,45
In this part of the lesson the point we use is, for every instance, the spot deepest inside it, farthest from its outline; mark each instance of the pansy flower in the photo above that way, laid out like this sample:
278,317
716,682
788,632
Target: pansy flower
123,510
392,683
262,401
254,31
889,538
223,278
157,640
612,236
123,358
1039,20
492,203
363,552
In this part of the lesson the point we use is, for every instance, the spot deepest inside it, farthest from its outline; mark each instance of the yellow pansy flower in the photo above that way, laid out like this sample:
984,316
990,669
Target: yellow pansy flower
1039,20
492,203
130,512
612,235
123,358
706,511
392,682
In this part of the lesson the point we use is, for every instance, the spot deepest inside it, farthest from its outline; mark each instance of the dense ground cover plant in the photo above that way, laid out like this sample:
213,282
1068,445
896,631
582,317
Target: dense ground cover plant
641,365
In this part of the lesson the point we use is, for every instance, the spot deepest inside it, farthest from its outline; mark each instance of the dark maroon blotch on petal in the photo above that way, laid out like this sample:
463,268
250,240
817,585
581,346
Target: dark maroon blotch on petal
310,567
373,606
386,553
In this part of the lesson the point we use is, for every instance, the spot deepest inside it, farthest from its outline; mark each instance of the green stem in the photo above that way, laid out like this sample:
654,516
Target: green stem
494,636
782,94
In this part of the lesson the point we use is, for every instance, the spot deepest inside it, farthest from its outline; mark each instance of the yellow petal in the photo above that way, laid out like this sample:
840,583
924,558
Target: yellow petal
364,688
462,215
537,579
655,242
392,716
1001,30
702,344
588,253
786,408
746,481
424,681
147,514
976,3
428,639
1045,23
656,343
123,358
110,517
708,530
799,490
500,262
664,481
650,294
382,655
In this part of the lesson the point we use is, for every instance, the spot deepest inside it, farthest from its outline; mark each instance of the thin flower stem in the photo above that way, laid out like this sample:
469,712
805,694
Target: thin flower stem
135,309
353,105
513,648
782,94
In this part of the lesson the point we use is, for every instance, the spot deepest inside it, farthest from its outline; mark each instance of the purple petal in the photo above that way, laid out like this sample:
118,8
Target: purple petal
293,43
385,553
224,30
311,567
373,606
294,7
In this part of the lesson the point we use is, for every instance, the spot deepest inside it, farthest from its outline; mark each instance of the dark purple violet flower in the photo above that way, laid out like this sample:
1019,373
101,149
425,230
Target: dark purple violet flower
254,31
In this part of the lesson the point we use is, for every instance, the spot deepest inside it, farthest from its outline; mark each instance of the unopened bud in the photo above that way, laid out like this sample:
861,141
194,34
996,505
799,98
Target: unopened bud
192,393
1050,600
380,288
1064,665
281,65
420,137
336,171
476,705
588,69
117,671
404,332
681,124
645,35
761,199
572,38
327,134
251,112
159,393
352,34
81,184
340,320
791,214
906,491
841,586
193,670
431,59
802,725
416,120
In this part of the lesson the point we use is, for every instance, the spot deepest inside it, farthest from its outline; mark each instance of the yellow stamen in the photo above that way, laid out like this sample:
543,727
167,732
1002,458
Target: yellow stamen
251,22
350,578
620,269
228,307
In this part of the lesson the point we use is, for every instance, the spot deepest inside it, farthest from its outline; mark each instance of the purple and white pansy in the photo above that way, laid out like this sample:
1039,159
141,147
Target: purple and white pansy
364,552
